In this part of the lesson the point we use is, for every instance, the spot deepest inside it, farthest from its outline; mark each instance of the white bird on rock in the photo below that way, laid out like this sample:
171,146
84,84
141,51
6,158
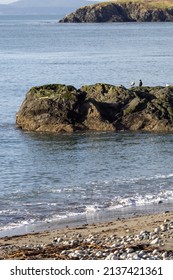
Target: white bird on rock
132,84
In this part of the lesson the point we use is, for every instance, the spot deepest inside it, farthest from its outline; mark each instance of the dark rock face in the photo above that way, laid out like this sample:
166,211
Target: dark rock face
102,107
111,12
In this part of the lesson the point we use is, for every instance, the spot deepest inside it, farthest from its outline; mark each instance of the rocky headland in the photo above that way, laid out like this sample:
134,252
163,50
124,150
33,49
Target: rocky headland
123,11
99,107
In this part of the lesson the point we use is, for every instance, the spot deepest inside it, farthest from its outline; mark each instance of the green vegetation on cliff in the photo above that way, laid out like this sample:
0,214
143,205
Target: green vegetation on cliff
161,4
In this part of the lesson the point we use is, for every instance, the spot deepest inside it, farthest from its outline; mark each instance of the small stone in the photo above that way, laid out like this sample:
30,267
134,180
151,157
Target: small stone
155,252
114,245
99,254
157,230
111,257
66,243
141,253
64,252
151,234
74,242
154,236
123,256
145,236
129,239
150,258
155,241
170,225
165,255
72,255
59,239
145,256
136,237
136,257
142,232
163,227
129,250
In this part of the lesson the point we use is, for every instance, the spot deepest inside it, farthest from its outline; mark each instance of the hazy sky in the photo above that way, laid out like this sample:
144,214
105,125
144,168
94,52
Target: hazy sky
7,1
10,1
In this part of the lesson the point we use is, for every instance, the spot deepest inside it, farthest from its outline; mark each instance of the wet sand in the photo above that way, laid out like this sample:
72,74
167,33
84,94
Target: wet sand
97,241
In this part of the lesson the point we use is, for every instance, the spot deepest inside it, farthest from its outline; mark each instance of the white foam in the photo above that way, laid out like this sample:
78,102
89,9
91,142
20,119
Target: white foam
17,225
92,208
111,203
139,200
2,212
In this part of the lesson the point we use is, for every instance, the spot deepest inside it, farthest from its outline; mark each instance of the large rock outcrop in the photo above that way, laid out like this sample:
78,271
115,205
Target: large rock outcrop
121,12
101,107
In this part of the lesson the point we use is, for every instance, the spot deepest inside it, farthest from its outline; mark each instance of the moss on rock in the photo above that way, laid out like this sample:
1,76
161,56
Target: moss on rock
60,108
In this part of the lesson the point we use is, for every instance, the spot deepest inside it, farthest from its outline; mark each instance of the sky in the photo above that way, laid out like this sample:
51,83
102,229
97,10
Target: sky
7,1
10,1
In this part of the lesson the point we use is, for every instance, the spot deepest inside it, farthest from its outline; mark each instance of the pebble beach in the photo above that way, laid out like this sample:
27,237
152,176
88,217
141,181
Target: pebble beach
148,237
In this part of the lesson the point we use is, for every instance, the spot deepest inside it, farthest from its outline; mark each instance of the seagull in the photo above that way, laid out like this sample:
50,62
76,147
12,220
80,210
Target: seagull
132,84
167,85
140,83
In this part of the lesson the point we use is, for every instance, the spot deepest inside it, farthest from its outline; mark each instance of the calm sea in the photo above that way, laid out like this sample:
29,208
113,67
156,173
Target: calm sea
57,180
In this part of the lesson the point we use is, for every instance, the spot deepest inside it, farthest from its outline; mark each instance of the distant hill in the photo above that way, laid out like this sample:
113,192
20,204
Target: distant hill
124,11
30,7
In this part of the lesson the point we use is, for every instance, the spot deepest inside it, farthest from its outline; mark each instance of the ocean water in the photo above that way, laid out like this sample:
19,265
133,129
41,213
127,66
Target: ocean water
57,180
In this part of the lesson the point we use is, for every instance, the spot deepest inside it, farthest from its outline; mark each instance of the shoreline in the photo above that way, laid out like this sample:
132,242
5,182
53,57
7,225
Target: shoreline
88,218
140,237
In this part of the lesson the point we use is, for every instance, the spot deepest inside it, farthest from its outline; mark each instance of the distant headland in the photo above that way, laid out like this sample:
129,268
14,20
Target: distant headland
99,107
123,11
